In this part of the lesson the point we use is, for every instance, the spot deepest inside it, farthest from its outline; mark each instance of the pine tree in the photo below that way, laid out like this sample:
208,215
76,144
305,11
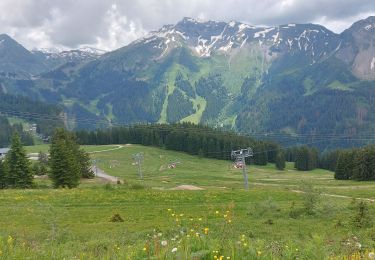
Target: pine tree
280,160
85,165
65,168
3,175
19,170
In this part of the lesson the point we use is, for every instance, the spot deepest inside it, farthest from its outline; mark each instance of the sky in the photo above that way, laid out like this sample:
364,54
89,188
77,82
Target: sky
111,24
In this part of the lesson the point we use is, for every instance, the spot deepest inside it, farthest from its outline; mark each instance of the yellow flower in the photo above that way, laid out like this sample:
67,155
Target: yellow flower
169,209
217,212
172,214
200,219
144,249
181,215
259,252
229,221
206,230
10,240
215,256
225,215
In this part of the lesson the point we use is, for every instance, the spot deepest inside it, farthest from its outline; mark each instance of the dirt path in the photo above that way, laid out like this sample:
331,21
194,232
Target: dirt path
101,174
323,194
112,149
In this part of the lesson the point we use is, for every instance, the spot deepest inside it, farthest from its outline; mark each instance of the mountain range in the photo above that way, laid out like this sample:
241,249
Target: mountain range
293,79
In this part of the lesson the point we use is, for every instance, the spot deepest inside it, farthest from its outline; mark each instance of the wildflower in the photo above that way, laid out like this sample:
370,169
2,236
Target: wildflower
358,245
228,257
164,243
169,209
217,212
174,250
296,249
215,256
221,257
244,244
172,215
191,219
181,215
225,215
259,252
200,219
371,255
206,230
229,221
144,249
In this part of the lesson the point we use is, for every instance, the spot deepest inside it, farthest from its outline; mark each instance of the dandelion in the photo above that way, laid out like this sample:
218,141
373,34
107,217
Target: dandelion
144,249
217,212
169,209
206,230
181,215
200,219
164,243
174,250
215,256
259,253
225,216
229,221
172,214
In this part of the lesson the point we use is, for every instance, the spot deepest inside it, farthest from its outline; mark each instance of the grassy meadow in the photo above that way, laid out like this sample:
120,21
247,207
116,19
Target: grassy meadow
284,214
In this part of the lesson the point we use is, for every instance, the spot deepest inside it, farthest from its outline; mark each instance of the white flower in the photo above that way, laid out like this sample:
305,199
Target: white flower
174,250
164,243
358,245
371,255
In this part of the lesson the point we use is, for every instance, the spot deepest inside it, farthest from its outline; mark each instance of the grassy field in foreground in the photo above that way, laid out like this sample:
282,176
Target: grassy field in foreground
269,221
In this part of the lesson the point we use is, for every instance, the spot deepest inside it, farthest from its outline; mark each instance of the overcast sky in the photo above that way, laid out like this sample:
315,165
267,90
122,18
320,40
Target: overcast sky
110,24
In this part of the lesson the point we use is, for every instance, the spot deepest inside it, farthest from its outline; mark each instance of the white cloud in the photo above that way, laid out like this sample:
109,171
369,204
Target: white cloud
110,24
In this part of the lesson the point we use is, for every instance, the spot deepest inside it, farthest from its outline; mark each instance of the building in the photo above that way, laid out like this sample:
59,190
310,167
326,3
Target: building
3,152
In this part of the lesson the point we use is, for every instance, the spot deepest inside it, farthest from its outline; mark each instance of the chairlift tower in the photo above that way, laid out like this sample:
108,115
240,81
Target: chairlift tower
138,159
239,157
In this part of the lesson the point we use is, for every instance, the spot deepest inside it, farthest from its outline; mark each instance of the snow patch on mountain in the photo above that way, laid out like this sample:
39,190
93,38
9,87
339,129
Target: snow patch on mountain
372,66
263,33
369,27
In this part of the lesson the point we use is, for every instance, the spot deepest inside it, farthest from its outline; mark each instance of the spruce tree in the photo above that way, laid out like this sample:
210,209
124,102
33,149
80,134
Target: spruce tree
19,171
65,168
280,160
3,175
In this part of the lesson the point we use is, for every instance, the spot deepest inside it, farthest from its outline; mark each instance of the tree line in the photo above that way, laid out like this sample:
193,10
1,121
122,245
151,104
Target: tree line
187,137
356,164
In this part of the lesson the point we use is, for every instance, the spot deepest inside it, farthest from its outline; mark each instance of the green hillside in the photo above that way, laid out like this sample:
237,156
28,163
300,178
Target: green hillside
222,219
